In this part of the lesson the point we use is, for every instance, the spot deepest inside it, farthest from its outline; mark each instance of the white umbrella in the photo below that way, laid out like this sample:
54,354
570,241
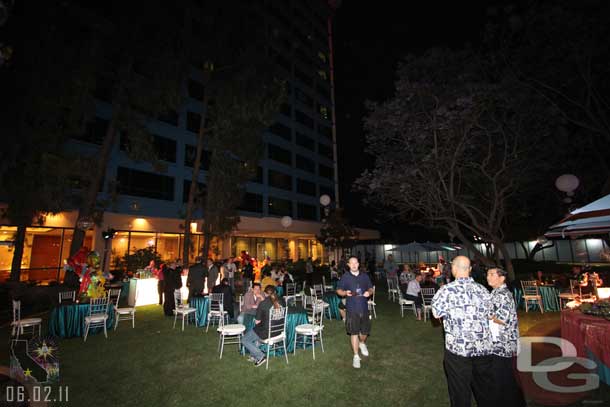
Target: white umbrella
591,219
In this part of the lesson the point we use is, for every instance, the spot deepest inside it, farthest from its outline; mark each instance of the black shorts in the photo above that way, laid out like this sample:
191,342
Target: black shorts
358,323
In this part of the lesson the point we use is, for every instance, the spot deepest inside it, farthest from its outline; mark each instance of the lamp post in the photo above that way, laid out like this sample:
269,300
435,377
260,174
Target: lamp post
325,202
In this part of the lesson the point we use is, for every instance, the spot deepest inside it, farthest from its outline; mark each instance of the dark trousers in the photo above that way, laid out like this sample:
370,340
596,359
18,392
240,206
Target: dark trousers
160,289
168,306
509,392
469,375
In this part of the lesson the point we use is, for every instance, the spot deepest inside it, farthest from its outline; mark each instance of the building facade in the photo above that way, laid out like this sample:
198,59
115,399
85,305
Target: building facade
300,165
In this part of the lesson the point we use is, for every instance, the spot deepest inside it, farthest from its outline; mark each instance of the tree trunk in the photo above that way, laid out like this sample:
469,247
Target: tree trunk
87,207
18,253
193,189
508,263
477,254
207,239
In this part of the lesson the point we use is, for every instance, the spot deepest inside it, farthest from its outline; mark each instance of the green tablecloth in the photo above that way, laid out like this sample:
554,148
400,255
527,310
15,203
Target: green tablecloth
279,290
333,300
296,316
550,299
201,304
68,320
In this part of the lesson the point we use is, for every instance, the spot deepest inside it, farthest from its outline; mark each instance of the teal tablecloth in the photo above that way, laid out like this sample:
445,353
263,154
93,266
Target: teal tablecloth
279,290
333,300
68,320
296,316
550,299
201,304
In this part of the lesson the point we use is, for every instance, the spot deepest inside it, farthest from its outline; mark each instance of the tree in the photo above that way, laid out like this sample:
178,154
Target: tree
142,67
242,94
44,95
454,149
336,231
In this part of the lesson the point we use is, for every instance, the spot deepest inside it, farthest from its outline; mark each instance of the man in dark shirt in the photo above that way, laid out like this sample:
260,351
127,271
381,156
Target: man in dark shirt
357,287
196,278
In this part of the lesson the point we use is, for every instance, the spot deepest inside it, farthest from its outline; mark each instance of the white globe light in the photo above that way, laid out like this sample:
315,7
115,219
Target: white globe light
325,200
286,221
567,183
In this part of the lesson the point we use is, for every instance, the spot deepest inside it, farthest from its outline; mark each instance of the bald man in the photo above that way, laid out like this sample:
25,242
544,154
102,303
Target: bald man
465,307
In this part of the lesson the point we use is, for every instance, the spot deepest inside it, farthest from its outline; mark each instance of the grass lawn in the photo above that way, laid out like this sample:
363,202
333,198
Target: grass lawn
154,365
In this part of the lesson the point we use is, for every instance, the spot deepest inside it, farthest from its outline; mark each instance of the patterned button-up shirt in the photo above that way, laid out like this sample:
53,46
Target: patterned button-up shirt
504,310
465,307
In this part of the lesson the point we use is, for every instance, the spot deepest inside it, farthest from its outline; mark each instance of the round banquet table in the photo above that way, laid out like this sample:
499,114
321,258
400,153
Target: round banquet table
200,303
296,316
550,298
68,320
333,300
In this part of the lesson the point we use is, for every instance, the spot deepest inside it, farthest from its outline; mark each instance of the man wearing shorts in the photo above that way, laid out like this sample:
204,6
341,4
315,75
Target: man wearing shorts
357,288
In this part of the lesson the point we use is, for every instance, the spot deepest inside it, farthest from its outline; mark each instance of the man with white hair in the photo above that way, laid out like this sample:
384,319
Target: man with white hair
465,307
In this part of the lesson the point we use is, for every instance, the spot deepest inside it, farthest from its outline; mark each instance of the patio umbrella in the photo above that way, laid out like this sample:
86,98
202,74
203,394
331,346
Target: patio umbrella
591,219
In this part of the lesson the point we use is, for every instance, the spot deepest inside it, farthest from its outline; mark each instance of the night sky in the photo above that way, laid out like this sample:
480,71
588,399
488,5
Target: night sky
369,43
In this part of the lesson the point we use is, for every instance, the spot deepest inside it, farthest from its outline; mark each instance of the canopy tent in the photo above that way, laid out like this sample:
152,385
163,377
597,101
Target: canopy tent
591,219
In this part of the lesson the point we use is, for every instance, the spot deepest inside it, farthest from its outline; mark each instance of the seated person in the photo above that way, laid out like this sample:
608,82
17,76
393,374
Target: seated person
405,276
227,299
267,280
412,294
251,301
252,338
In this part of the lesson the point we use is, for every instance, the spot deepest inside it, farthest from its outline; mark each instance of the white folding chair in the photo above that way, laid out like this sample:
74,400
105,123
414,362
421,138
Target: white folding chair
427,294
114,295
393,290
371,304
125,313
98,315
229,334
531,293
312,330
318,289
327,287
18,324
216,309
570,295
405,304
67,296
277,331
183,310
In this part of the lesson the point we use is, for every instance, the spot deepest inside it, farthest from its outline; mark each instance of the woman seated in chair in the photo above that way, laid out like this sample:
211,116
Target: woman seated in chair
261,328
413,290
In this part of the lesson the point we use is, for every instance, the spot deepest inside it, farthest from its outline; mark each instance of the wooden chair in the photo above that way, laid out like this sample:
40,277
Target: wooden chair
531,293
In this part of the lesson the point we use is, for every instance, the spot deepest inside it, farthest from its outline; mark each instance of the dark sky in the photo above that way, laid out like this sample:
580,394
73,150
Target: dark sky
370,39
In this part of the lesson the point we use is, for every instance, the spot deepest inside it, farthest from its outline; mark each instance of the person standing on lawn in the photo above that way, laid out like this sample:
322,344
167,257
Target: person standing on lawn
466,307
357,288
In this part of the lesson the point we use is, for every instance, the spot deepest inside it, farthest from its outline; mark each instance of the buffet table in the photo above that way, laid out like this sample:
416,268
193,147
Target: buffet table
68,320
591,337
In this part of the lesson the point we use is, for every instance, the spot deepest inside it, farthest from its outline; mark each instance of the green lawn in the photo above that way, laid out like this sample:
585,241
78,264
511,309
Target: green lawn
154,365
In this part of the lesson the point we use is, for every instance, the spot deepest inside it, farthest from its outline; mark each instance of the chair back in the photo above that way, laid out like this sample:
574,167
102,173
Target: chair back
216,302
114,294
316,313
575,288
318,289
427,294
178,298
323,280
67,295
240,299
372,297
277,321
16,311
530,288
98,306
391,284
291,288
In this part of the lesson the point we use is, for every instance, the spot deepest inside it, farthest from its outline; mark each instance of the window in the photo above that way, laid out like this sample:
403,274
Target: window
325,171
302,76
195,89
165,148
279,154
303,119
305,141
280,207
305,164
305,211
322,56
282,131
325,151
145,184
306,187
169,117
193,121
303,97
251,203
323,111
190,153
259,175
95,131
279,180
322,75
325,131
201,191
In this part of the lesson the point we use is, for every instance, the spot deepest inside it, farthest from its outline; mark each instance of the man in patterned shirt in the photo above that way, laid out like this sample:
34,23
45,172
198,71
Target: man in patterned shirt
465,307
505,333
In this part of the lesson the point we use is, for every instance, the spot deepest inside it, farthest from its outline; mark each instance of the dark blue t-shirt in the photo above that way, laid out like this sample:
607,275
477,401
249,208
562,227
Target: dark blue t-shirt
357,285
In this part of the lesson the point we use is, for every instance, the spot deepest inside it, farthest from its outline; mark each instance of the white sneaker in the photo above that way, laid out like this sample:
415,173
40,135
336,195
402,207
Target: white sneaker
356,362
363,349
